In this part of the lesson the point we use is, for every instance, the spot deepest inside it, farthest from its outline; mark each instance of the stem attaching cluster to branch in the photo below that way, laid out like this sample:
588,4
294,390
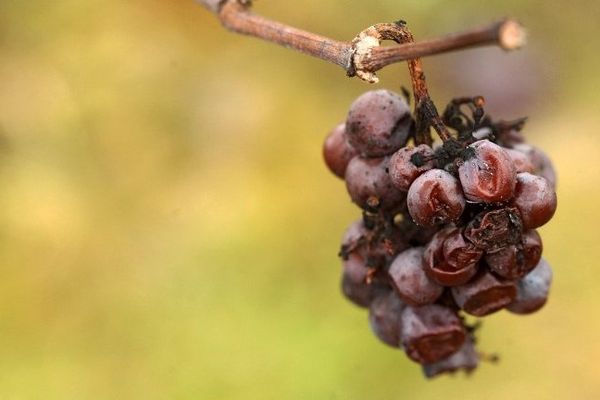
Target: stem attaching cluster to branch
425,110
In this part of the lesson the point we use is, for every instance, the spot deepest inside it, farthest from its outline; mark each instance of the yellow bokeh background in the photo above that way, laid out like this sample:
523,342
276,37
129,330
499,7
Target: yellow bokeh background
168,229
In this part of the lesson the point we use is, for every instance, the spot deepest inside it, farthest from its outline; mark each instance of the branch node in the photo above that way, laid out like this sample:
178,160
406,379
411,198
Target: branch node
362,47
369,39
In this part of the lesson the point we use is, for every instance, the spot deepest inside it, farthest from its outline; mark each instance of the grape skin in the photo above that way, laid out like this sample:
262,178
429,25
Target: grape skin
484,295
369,184
410,281
337,152
515,261
520,160
354,282
431,333
536,200
435,198
385,315
542,164
375,249
402,169
489,176
494,229
532,290
438,268
378,123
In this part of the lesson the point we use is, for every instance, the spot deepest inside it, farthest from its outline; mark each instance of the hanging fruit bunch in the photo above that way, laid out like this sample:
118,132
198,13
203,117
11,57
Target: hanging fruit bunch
448,229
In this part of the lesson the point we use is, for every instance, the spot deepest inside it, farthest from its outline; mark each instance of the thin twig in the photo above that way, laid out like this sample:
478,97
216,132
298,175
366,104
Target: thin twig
236,16
507,33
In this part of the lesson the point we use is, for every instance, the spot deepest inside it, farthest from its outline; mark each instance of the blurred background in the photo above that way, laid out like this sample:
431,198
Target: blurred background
169,230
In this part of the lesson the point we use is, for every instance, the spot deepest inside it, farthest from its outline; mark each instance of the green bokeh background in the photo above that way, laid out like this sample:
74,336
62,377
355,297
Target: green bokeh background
168,229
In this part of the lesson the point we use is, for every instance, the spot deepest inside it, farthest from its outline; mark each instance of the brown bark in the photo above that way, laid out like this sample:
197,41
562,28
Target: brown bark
236,16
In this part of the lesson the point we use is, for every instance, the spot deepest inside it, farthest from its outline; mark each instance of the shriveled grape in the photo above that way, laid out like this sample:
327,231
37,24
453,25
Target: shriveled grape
489,175
535,198
435,198
431,333
378,123
450,272
484,295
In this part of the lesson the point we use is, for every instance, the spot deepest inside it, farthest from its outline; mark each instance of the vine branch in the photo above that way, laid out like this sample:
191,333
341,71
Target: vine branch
359,58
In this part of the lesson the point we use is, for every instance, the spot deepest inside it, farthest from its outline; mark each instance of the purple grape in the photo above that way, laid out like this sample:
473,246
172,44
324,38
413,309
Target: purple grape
375,246
541,162
337,152
532,290
379,123
385,318
520,160
403,170
369,184
410,281
435,198
355,283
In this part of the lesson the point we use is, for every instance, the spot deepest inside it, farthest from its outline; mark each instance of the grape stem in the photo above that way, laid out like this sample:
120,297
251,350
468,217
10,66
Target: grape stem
425,110
357,58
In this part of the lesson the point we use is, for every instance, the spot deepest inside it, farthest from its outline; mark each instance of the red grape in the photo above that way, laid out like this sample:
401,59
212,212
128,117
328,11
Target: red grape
520,160
484,295
435,198
431,333
495,229
515,261
355,285
376,247
403,170
535,198
458,252
489,176
450,272
337,152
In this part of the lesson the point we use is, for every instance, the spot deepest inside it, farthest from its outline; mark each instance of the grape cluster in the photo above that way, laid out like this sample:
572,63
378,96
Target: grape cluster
446,231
